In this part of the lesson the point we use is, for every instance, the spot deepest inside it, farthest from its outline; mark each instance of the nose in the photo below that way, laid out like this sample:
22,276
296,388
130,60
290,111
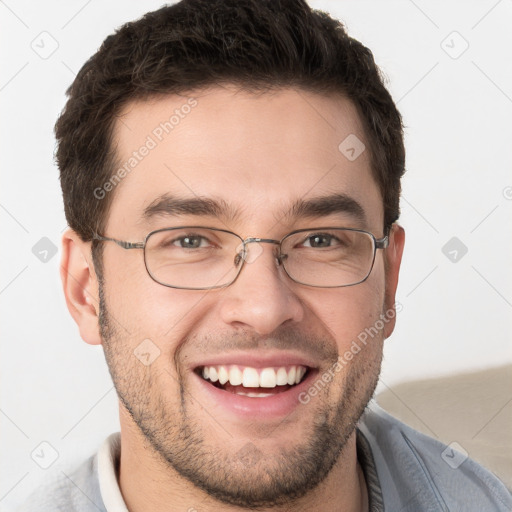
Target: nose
262,298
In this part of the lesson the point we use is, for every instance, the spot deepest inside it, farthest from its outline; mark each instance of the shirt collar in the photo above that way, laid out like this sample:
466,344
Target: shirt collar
109,456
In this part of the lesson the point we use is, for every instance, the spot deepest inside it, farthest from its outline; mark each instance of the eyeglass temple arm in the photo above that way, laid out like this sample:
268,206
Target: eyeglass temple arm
121,243
382,243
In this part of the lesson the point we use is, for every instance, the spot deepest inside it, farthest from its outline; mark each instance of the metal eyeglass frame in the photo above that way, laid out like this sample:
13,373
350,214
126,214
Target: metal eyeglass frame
378,243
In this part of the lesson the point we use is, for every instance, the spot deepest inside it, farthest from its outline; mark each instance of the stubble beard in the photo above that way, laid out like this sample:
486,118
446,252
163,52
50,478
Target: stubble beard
249,477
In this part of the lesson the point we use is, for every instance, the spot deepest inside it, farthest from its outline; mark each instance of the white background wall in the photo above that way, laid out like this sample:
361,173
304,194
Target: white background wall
456,316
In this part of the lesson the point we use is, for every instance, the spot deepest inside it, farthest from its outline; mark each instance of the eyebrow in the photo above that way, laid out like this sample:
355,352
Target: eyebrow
328,205
168,205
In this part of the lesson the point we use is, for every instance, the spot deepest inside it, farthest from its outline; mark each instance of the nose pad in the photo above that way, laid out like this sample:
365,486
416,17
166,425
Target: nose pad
249,255
280,259
240,255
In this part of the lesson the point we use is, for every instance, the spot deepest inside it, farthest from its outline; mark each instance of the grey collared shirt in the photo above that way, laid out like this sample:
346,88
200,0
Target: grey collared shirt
405,471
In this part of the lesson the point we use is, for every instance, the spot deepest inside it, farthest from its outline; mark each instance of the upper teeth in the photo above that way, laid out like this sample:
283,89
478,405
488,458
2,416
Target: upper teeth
252,377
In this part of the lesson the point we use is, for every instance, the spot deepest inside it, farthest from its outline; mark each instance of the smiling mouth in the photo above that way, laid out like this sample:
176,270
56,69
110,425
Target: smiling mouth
253,382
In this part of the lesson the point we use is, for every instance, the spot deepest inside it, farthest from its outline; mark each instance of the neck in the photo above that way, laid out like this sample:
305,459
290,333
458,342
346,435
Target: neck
148,483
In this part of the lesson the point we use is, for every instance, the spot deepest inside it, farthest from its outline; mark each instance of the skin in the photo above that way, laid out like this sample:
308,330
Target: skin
258,153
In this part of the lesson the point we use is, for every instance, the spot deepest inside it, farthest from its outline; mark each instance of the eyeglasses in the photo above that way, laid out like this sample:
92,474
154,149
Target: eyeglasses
203,258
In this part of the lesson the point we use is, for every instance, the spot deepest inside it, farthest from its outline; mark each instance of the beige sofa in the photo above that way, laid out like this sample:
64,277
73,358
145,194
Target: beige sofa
473,410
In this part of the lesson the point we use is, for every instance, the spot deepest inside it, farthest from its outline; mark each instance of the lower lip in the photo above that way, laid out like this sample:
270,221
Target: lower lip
269,407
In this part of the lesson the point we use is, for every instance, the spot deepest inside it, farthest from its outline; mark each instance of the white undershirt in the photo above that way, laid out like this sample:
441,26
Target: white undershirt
108,457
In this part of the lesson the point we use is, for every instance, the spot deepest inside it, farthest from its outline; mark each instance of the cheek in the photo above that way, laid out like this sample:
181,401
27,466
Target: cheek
347,312
144,309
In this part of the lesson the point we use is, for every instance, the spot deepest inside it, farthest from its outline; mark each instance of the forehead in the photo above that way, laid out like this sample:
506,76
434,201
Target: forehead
256,155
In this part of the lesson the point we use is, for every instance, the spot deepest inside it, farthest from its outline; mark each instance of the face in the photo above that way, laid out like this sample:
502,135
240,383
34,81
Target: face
255,158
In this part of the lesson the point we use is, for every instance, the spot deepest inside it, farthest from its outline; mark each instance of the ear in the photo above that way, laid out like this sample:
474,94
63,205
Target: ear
393,258
80,286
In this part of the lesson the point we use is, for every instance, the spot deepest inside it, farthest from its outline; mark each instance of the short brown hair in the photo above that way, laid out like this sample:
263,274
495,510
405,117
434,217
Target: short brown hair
255,44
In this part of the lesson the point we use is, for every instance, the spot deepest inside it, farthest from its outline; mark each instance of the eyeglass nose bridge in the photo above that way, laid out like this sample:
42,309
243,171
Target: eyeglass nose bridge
242,255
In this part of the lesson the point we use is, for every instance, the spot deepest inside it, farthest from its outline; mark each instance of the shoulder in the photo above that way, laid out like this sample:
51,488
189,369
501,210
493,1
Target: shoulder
417,472
76,490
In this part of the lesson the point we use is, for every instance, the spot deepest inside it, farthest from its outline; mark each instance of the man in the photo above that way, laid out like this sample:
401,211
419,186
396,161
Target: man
231,178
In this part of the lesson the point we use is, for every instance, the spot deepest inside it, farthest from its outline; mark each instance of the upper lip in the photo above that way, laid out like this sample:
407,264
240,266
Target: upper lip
260,359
